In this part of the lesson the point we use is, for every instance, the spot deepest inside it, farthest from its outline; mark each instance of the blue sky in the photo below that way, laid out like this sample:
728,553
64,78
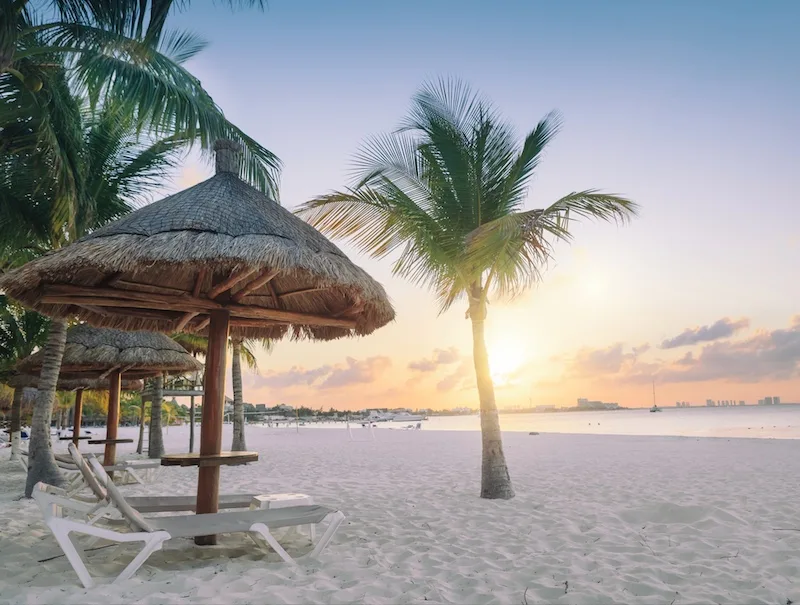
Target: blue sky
690,108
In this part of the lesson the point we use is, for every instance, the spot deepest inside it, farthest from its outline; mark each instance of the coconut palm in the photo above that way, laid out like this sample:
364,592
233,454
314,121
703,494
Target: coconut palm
110,55
155,444
447,191
21,333
241,349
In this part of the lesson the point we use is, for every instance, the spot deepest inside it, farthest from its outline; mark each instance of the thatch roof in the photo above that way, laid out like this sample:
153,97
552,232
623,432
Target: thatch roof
31,381
96,352
219,244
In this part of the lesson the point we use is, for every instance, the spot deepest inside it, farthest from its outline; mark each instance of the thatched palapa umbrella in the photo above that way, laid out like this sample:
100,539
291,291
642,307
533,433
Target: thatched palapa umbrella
79,385
218,258
102,355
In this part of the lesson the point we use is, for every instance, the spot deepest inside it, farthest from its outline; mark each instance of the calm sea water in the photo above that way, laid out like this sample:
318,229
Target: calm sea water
777,422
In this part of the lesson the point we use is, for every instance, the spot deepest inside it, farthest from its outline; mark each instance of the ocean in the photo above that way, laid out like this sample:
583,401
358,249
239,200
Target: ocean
762,422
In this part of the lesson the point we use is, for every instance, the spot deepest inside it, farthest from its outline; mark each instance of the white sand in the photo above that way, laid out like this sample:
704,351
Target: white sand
597,519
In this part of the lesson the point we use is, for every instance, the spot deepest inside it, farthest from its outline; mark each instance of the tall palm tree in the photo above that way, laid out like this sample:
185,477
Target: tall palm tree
447,191
21,333
241,349
111,55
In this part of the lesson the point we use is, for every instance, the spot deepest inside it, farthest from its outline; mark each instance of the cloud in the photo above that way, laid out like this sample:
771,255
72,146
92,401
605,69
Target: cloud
353,371
611,360
294,377
461,377
767,355
722,328
440,357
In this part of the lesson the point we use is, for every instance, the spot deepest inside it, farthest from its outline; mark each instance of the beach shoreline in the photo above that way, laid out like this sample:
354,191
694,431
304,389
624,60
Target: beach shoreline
597,519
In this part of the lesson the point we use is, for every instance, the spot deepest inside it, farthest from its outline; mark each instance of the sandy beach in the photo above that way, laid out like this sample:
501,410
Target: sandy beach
597,519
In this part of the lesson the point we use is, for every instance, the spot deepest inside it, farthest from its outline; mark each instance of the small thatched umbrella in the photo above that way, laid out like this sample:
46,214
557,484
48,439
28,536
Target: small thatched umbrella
79,385
218,258
92,355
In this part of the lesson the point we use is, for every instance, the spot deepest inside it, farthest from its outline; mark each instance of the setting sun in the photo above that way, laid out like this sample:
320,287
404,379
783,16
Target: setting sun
505,358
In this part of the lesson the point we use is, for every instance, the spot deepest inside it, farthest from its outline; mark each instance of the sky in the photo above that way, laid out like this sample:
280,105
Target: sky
689,108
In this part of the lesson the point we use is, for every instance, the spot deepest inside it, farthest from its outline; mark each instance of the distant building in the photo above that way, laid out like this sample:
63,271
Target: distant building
741,403
776,401
284,408
767,400
710,403
585,404
261,407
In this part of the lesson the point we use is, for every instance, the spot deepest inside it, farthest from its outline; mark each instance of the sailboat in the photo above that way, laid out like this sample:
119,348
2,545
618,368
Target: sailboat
655,407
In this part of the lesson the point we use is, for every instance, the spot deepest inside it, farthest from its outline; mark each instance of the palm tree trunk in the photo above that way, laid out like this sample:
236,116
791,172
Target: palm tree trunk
41,463
239,444
495,480
16,422
140,445
156,445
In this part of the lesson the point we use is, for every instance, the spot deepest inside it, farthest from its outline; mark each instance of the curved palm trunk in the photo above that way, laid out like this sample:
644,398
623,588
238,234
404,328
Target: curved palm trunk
495,480
16,422
155,448
239,444
41,463
142,411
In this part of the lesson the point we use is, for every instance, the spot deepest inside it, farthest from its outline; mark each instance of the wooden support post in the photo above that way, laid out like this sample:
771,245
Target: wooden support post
112,420
76,417
213,406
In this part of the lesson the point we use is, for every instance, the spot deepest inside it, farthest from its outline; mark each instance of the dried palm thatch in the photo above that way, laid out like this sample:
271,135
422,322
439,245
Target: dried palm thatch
93,353
218,245
30,381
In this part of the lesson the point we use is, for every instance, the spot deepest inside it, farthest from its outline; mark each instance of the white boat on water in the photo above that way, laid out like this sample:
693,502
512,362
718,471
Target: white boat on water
407,417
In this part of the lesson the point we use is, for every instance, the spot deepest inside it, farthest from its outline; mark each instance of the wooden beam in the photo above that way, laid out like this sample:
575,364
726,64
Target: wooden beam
105,374
255,323
202,325
95,309
179,327
292,317
76,417
229,283
211,425
254,285
107,297
274,294
112,421
151,288
184,305
299,292
185,299
198,284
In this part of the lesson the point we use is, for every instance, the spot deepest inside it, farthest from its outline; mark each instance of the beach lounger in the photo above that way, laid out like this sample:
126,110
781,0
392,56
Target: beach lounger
102,505
152,532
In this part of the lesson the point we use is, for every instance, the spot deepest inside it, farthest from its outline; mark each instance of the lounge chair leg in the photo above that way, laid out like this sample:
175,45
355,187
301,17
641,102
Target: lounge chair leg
74,558
150,546
263,531
337,519
133,475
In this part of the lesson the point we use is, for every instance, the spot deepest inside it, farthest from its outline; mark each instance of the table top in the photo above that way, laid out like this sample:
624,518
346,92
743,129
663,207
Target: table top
102,441
73,438
221,459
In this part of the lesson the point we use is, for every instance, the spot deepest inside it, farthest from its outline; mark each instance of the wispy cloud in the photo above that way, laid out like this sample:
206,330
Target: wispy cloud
440,357
352,371
723,328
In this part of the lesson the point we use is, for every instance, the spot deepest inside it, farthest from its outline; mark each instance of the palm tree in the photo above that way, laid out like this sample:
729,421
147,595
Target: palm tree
110,55
155,445
21,333
240,349
447,191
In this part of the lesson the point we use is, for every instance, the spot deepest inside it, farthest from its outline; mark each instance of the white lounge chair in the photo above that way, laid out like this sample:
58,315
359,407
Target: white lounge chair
130,471
101,504
152,532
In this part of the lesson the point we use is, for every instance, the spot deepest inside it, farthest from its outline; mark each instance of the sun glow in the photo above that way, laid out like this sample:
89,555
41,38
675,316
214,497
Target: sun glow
505,359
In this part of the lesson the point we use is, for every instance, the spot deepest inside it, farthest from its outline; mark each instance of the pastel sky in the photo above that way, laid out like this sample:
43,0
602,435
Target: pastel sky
690,108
